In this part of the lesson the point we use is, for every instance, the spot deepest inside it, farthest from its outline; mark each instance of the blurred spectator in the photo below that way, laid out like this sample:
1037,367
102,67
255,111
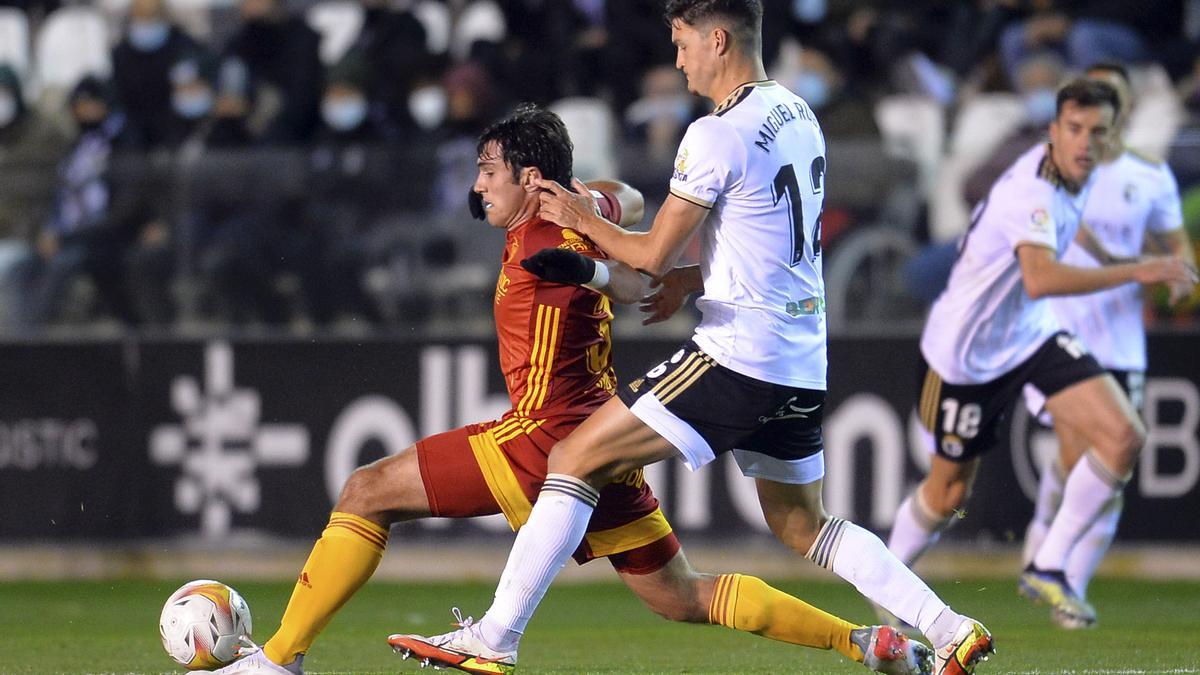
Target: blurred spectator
345,201
1038,79
1084,32
93,221
231,107
1185,150
142,62
812,75
281,55
471,101
392,46
884,46
642,41
659,118
28,142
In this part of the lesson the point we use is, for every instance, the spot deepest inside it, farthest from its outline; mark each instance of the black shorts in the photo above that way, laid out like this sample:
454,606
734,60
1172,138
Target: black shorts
705,409
964,418
1132,382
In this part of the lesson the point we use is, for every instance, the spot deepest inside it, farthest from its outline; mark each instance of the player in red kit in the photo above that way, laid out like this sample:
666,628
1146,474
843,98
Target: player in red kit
555,352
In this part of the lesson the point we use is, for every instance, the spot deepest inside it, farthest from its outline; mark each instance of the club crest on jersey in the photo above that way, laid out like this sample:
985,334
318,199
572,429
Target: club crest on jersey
952,445
1130,193
680,172
574,241
1039,221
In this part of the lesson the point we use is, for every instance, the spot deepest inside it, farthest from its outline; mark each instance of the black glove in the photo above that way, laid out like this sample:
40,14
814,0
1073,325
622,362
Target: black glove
475,203
561,265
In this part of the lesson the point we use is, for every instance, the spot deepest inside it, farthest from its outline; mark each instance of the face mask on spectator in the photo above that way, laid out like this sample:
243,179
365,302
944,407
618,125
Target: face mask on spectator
1040,106
344,113
813,88
147,36
8,108
427,106
192,105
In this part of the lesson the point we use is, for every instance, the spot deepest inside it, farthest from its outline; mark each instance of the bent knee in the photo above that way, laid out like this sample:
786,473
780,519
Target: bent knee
1133,436
358,492
574,460
799,531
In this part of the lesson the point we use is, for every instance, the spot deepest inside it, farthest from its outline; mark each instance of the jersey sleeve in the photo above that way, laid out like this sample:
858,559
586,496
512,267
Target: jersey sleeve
710,158
1166,211
1028,216
609,207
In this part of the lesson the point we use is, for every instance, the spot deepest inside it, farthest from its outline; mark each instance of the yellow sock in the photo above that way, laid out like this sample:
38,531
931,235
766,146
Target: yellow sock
341,561
748,604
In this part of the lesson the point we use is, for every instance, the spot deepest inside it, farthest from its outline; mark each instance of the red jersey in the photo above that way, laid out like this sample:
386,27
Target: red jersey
555,342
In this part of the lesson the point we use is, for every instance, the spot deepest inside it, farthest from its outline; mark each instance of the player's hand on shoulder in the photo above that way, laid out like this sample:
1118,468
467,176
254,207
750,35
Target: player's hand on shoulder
561,265
566,208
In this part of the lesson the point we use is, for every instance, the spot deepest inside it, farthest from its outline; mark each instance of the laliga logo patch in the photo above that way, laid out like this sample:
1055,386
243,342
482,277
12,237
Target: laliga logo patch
1039,220
681,166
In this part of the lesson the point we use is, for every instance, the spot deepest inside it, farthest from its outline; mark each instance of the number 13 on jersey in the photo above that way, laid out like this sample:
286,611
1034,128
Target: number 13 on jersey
787,185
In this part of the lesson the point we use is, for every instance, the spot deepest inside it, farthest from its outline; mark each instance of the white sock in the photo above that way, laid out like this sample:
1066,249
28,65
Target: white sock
1085,557
859,557
916,529
554,530
1050,490
1089,486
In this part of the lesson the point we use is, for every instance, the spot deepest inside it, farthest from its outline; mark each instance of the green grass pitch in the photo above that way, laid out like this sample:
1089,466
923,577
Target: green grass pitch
110,627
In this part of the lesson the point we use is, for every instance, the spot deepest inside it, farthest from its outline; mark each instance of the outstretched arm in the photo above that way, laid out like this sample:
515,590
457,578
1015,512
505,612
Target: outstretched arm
1043,275
652,252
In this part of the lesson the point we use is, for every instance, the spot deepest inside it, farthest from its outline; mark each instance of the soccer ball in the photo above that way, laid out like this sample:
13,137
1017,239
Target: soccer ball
203,623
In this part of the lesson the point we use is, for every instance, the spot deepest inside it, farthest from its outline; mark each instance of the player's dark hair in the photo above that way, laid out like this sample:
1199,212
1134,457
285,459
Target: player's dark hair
532,137
1087,93
1114,67
744,17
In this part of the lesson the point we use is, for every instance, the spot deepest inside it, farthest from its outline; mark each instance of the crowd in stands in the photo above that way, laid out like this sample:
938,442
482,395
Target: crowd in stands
166,163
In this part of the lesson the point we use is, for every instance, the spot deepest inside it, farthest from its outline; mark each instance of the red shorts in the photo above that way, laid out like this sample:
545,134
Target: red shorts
499,467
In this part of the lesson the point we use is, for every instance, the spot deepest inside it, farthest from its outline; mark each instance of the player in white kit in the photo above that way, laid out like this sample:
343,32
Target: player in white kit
750,177
1132,197
991,332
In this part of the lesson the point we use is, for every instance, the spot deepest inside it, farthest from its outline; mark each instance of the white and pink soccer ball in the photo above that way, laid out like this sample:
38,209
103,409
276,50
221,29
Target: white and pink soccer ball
203,624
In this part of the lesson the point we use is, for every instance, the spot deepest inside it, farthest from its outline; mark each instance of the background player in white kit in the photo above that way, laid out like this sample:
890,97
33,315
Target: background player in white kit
989,333
1132,197
752,379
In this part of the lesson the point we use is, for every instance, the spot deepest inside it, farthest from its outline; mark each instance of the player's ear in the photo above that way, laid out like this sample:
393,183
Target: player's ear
720,38
528,175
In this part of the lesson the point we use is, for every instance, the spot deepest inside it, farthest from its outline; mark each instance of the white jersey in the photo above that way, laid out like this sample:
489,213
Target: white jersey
758,161
1129,197
984,324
